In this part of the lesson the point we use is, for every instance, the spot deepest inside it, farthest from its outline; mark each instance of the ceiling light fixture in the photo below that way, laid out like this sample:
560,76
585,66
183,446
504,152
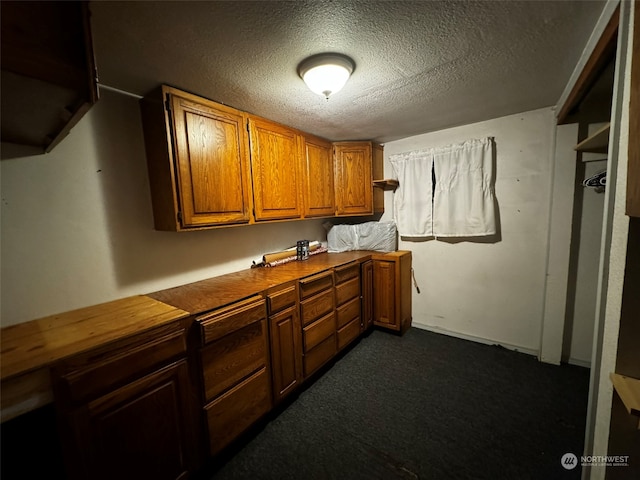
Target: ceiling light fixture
326,73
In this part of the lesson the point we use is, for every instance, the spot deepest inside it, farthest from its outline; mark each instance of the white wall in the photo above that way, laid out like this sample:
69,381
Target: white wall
77,226
491,292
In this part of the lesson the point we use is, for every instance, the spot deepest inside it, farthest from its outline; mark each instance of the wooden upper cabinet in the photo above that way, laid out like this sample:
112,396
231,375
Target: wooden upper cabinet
48,77
275,159
198,161
353,178
317,177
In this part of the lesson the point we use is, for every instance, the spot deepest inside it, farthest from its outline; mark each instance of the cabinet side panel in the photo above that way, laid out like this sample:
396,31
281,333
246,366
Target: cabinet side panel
160,164
405,291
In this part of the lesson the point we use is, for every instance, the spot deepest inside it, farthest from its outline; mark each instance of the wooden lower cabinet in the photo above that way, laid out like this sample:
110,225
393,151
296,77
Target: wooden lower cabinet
234,358
317,313
128,413
348,303
392,291
285,340
233,412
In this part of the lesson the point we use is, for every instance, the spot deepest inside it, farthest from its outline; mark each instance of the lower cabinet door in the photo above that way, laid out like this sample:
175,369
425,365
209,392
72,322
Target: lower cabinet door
140,430
237,409
286,352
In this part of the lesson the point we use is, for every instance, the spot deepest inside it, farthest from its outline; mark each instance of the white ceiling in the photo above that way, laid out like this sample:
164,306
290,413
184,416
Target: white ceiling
420,65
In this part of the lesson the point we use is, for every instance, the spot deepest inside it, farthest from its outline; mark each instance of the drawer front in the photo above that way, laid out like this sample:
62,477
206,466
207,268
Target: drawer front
348,333
346,272
232,413
347,291
318,356
280,300
312,285
315,307
224,321
232,358
348,312
316,332
107,371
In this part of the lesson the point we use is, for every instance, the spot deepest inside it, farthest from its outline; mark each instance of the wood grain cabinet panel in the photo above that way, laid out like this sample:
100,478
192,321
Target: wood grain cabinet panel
348,300
353,178
286,352
317,306
126,410
198,161
236,410
136,431
392,290
317,177
285,340
275,160
235,369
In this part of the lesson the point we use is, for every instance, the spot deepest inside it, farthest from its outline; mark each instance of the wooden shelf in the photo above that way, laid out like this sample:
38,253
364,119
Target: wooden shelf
386,184
596,143
629,391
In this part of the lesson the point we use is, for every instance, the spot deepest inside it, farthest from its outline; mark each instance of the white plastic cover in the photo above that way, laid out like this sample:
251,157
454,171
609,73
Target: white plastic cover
376,236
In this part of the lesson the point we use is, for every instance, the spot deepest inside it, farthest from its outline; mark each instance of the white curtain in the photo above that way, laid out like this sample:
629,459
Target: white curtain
413,206
460,204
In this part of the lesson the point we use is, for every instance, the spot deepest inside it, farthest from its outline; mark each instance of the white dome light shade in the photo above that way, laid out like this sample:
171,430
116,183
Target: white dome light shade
327,73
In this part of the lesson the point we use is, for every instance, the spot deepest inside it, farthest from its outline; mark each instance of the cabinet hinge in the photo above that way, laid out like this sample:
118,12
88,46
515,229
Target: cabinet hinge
167,103
179,217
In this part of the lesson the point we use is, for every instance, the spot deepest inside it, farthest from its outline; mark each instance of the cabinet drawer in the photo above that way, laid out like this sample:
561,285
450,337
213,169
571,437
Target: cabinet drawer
226,320
347,291
348,312
233,357
348,333
315,307
315,284
316,332
88,375
319,355
232,413
346,272
280,300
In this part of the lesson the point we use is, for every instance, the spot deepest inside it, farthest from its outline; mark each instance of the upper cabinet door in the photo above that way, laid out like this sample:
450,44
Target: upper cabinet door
353,177
212,163
317,173
275,156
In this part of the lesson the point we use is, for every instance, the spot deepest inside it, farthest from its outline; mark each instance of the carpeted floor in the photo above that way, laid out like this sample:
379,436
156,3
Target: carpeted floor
422,406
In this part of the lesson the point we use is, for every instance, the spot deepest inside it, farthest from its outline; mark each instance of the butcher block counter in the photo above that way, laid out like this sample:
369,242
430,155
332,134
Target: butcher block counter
205,295
28,350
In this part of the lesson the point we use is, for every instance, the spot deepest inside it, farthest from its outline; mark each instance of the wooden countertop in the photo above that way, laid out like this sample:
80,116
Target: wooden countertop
27,350
199,297
38,343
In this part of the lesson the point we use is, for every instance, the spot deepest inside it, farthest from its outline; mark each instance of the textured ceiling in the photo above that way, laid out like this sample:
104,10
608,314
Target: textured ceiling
420,65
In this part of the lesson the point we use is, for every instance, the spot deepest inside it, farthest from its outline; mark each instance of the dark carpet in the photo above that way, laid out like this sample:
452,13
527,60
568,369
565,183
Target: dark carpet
422,406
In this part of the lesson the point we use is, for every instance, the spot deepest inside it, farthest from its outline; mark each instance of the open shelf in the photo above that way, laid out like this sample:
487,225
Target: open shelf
386,184
596,143
629,391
